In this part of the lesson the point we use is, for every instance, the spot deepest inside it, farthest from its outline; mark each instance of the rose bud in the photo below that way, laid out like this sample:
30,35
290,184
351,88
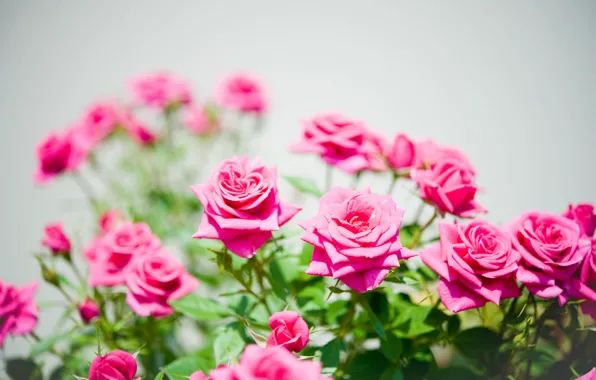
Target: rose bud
117,365
88,310
56,240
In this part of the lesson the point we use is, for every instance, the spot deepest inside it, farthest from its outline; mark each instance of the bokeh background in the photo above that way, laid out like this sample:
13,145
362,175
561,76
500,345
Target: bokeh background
512,83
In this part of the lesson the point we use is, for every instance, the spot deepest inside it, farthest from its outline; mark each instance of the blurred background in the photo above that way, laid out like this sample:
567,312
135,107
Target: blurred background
511,83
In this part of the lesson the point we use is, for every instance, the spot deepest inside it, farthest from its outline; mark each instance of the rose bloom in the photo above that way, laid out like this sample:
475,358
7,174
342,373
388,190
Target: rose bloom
450,187
109,220
138,132
99,121
355,237
115,252
476,263
342,142
242,206
588,376
58,153
551,251
271,363
160,90
55,239
155,280
18,311
290,331
196,119
88,310
401,154
243,93
429,153
117,365
583,289
583,214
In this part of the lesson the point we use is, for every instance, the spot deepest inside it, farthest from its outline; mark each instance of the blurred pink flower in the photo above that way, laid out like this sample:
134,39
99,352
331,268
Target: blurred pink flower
196,119
160,90
401,154
583,214
55,239
59,153
429,153
88,310
99,121
243,93
18,311
137,130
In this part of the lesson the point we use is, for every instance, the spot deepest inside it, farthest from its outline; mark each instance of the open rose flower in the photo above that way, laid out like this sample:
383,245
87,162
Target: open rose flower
588,376
342,142
18,311
243,93
476,263
117,365
355,238
289,331
429,153
115,252
551,251
271,363
155,280
160,90
55,239
584,287
583,214
99,121
450,187
242,206
59,153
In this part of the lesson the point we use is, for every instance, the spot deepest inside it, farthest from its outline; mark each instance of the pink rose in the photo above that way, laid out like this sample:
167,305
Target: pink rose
289,331
551,251
115,252
56,154
109,220
198,376
450,187
583,214
138,132
55,239
588,376
402,153
587,281
18,311
355,238
242,206
160,90
99,121
88,310
243,93
117,365
196,119
271,363
477,264
342,142
155,280
429,153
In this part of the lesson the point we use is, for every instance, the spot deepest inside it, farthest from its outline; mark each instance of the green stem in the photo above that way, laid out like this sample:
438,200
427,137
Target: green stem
87,189
51,349
393,183
418,235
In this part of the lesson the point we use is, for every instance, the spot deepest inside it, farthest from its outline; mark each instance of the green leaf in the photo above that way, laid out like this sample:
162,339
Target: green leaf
458,373
477,341
392,347
228,345
47,343
330,352
335,310
160,376
279,284
453,324
19,369
369,365
62,280
393,373
304,185
200,308
306,254
406,233
182,368
376,323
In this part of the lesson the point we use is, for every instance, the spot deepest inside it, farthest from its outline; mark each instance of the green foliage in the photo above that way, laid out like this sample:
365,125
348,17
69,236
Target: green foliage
304,185
200,308
477,342
182,368
227,346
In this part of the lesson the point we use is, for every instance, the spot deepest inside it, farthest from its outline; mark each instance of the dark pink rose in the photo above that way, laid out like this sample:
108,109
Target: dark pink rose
429,153
588,376
55,239
88,310
402,153
342,142
242,206
99,121
450,187
289,331
160,90
551,252
196,119
271,363
18,311
355,238
115,252
155,280
476,263
117,365
583,214
243,93
584,287
56,154
138,131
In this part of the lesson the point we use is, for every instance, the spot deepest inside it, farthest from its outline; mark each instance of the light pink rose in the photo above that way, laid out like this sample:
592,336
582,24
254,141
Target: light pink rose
155,280
342,142
198,376
583,214
588,376
115,252
551,252
55,239
402,153
429,153
117,365
476,263
196,119
242,205
18,311
58,153
450,187
271,363
243,93
289,331
160,90
355,238
138,132
99,121
88,310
